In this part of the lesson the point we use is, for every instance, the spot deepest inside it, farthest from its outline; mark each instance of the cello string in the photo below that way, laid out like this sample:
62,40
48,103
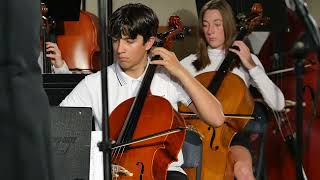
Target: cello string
279,80
118,151
284,125
122,151
290,129
277,118
152,136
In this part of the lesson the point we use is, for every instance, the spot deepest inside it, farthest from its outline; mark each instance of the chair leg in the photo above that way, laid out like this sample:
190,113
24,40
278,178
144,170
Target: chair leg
199,168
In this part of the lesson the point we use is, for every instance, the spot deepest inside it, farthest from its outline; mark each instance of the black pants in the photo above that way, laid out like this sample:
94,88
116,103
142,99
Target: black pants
175,175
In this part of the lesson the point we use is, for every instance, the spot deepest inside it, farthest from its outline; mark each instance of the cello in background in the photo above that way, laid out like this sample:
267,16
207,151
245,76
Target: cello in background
47,34
79,44
280,152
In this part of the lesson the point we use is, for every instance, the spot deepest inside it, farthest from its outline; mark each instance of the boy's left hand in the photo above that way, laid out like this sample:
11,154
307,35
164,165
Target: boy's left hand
169,61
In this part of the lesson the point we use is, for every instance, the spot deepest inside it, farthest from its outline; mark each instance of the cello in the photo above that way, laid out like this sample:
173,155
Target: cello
79,43
47,34
142,149
280,152
216,162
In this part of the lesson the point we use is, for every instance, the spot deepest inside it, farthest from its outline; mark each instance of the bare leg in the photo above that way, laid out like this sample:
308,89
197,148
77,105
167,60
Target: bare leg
242,162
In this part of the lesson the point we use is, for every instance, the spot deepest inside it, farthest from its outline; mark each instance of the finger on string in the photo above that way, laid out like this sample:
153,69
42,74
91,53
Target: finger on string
51,56
52,49
158,62
50,44
234,50
161,51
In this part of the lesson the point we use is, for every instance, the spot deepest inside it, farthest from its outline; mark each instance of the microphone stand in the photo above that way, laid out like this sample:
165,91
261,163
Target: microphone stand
312,28
299,52
105,145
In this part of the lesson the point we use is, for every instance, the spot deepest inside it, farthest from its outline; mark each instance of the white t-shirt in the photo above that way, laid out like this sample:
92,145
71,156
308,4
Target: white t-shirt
255,76
122,87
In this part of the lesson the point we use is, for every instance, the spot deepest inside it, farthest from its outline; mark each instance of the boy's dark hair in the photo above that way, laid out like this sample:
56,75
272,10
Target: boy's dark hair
132,20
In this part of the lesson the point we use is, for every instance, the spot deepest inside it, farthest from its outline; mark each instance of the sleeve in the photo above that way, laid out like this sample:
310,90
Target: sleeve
79,96
62,70
271,94
187,64
40,61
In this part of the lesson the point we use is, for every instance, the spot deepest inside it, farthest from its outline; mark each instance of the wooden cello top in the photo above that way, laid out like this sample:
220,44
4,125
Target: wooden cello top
79,43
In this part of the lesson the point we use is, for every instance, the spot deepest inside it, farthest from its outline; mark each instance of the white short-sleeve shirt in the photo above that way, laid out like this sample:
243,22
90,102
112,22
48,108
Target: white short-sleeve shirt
122,87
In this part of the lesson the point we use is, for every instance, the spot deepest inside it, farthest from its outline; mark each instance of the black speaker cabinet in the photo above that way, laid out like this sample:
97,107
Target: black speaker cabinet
70,142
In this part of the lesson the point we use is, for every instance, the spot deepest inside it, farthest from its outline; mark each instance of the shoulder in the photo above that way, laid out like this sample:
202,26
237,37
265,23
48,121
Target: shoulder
163,78
187,64
187,61
97,76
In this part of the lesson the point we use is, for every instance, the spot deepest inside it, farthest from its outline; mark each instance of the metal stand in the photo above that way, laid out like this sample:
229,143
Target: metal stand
299,52
105,145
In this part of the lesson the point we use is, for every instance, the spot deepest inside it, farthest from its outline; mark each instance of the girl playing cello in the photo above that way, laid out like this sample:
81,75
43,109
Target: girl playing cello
216,36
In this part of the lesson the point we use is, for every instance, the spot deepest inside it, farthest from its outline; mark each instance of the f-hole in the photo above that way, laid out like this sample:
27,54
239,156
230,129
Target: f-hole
142,169
212,137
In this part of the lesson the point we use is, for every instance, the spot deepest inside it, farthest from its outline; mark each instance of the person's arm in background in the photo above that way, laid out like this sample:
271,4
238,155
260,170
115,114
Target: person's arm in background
270,92
59,65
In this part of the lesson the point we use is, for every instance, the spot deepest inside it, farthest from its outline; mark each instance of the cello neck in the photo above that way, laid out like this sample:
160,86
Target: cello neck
224,68
48,35
166,41
247,25
136,108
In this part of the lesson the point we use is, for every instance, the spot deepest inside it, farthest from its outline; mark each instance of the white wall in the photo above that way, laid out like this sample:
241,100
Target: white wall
314,7
186,9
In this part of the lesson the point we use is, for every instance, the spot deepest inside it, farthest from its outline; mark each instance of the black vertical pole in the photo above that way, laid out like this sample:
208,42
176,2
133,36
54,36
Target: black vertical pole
109,46
300,50
84,5
105,146
299,116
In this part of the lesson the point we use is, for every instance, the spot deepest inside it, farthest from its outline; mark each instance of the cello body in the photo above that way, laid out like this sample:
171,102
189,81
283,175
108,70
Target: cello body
79,43
148,159
280,163
235,98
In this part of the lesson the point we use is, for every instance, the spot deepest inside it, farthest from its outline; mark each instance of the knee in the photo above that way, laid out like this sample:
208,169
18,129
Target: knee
243,171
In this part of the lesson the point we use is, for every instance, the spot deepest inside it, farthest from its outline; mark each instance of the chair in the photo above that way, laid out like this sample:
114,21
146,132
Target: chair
192,152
